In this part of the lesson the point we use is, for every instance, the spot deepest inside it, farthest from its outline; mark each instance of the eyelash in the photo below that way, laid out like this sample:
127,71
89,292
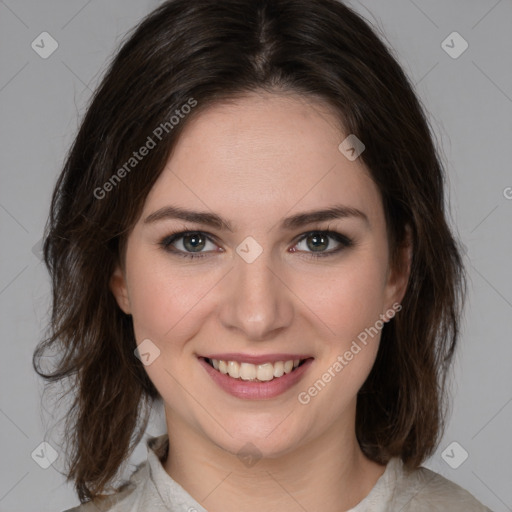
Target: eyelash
167,242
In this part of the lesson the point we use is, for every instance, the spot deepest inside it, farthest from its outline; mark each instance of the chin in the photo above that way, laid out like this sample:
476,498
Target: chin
268,439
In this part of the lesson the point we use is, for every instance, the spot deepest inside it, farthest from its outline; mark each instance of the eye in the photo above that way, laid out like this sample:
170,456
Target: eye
319,241
192,243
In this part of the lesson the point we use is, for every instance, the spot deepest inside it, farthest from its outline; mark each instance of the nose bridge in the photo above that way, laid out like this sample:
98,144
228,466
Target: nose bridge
257,302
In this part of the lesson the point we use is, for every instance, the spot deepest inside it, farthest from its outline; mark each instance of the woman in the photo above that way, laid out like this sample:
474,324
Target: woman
249,229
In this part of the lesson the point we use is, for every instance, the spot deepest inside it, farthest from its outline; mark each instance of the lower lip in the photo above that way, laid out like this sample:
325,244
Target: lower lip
256,390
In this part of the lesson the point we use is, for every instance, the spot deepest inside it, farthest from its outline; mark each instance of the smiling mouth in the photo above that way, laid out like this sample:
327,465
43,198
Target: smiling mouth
265,372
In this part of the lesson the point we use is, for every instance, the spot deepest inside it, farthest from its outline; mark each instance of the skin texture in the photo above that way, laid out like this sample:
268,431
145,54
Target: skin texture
256,161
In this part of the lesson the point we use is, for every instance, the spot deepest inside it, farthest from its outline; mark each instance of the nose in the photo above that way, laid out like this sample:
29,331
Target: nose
256,300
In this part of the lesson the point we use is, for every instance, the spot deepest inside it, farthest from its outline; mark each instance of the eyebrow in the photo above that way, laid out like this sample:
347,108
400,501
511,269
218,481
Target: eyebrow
293,222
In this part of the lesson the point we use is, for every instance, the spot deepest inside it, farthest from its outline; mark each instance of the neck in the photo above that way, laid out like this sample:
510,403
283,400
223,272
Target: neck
330,469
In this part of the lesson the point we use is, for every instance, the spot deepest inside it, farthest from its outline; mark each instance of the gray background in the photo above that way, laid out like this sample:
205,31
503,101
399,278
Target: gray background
469,100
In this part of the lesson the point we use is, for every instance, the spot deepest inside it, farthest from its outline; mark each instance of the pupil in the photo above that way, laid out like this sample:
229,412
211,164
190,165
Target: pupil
197,242
317,237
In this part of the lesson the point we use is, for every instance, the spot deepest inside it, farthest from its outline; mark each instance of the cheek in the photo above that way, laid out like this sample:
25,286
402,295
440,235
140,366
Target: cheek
350,303
170,302
350,298
158,299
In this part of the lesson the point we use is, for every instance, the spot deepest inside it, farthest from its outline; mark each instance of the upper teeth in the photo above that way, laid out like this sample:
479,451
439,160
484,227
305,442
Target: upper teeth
248,371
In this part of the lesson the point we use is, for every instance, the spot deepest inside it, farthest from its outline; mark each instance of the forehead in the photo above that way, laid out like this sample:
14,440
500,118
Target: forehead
263,155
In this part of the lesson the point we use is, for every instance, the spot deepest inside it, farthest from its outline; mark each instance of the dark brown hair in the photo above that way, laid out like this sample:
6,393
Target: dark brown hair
211,51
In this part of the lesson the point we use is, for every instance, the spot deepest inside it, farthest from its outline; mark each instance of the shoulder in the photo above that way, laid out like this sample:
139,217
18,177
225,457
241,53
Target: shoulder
423,490
125,497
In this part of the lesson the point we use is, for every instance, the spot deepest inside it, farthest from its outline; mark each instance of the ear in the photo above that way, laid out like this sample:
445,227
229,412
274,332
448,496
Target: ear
400,270
119,289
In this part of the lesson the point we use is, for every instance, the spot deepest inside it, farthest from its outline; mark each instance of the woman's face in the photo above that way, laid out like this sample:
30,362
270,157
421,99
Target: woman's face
272,288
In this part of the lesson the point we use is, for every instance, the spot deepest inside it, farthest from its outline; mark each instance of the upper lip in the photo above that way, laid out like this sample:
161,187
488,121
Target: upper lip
256,359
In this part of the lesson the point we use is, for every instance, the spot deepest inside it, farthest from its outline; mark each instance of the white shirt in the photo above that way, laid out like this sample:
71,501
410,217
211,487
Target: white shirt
151,489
